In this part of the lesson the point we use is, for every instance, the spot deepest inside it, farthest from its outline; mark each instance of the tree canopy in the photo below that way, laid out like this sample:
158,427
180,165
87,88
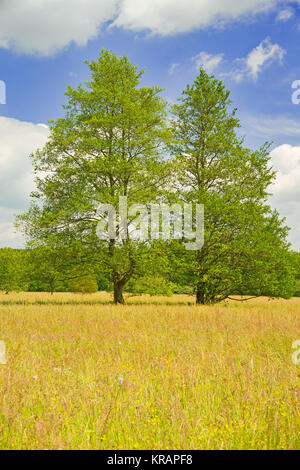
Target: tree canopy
117,140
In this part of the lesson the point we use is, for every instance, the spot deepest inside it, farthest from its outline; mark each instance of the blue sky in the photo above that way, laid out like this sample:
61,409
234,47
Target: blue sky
253,45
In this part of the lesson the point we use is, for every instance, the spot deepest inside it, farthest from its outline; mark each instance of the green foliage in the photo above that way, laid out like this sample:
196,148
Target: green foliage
111,142
86,284
153,285
108,144
45,266
245,245
296,263
103,280
11,270
297,287
49,268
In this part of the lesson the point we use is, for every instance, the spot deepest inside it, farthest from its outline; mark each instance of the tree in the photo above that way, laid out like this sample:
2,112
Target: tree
108,144
153,285
50,267
85,284
296,263
44,268
152,271
245,242
11,270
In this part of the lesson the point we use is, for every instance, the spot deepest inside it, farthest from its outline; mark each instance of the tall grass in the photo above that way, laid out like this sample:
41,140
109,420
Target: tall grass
145,376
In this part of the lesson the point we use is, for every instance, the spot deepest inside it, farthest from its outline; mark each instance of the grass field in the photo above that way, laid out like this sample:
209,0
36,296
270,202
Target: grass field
82,373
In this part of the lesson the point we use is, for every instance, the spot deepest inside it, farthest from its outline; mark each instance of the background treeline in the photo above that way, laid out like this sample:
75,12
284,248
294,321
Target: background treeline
45,269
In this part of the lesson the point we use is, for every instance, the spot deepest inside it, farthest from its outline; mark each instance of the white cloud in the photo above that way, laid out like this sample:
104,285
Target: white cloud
272,126
286,161
8,234
43,125
173,68
170,17
285,15
47,26
259,58
209,62
286,190
17,140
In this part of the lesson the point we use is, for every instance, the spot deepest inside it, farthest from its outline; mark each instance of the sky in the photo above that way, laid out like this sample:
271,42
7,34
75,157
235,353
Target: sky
252,45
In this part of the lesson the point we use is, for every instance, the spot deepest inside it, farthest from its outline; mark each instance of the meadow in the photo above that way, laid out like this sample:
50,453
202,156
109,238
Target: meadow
157,373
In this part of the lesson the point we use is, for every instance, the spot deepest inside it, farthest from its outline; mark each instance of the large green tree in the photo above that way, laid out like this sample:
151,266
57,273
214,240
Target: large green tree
245,248
108,144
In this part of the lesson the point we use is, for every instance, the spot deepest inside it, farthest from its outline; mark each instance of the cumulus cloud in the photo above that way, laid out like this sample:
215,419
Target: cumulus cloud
259,58
8,235
209,62
47,26
249,67
286,189
168,17
17,140
285,15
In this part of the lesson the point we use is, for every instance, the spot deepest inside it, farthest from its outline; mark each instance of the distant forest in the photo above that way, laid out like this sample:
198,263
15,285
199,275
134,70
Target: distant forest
48,270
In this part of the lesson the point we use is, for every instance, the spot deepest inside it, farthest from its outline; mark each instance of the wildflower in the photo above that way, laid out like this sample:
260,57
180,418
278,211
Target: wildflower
121,380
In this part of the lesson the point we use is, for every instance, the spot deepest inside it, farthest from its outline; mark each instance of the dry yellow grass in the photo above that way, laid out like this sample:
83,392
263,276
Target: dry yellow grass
148,376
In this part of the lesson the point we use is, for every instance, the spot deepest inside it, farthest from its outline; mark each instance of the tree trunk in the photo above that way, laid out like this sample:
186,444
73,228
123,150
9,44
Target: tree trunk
120,279
51,287
118,293
200,294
